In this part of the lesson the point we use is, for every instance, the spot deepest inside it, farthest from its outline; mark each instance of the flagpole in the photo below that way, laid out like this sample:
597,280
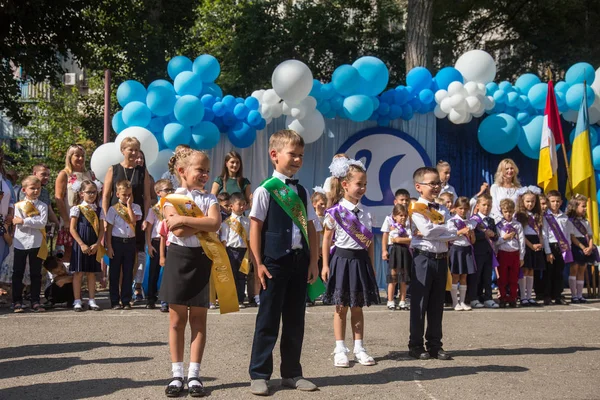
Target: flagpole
564,144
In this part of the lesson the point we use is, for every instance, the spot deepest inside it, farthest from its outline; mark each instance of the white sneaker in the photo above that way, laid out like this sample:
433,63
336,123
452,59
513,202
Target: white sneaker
77,306
403,305
363,358
391,305
212,306
465,306
476,304
458,307
490,304
340,357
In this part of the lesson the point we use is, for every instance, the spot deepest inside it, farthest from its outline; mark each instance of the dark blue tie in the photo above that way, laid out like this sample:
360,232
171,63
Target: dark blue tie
291,182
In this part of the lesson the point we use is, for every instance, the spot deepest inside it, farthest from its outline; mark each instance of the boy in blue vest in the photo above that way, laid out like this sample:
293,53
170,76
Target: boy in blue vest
284,241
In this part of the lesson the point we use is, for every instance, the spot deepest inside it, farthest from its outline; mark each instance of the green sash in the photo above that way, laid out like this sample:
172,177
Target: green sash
290,202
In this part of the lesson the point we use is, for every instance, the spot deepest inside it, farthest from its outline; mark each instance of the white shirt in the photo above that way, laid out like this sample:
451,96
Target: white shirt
153,220
260,208
528,230
204,202
327,185
75,211
515,244
434,238
498,194
462,239
448,188
121,229
342,239
28,234
230,237
565,225
393,233
7,201
319,223
576,232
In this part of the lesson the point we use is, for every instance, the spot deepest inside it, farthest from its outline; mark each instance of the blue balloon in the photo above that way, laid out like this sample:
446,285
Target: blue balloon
389,96
161,100
136,113
254,118
117,122
580,72
499,96
130,91
208,100
219,109
160,83
213,89
346,80
239,100
562,87
324,106
188,82
407,112
499,133
337,103
596,157
161,140
242,137
512,99
395,111
327,91
178,65
506,86
383,109
416,105
205,136
189,110
523,117
419,78
207,67
229,102
252,103
241,111
358,108
526,81
401,95
537,96
375,101
426,96
446,76
383,121
175,134
574,96
261,125
157,125
374,75
522,102
316,89
531,137
209,115
593,136
229,119
491,88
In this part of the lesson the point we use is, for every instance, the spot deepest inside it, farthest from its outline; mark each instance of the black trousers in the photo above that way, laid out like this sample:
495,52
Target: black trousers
154,272
553,275
236,255
56,294
122,261
283,300
427,290
479,284
35,273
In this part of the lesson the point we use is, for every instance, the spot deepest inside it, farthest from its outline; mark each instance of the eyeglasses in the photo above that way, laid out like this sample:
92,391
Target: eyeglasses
431,184
167,190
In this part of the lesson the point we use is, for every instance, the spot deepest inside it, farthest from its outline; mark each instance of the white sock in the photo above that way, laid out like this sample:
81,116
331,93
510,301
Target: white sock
454,294
580,289
77,301
358,345
462,291
340,345
193,372
522,288
529,286
91,302
177,369
573,286
257,299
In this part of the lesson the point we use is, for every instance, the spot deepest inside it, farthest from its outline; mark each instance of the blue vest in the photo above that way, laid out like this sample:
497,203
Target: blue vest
277,230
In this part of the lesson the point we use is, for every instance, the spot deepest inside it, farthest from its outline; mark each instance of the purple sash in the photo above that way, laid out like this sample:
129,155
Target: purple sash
506,227
582,229
532,224
351,225
480,222
460,224
564,245
401,232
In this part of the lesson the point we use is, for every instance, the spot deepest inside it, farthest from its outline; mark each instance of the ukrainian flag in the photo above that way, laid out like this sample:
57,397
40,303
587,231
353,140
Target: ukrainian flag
583,180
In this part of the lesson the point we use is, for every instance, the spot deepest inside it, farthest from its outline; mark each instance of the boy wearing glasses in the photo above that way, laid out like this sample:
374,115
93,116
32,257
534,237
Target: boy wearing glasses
162,188
430,266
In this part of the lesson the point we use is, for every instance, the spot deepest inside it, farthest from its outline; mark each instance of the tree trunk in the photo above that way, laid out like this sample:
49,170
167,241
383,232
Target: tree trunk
418,33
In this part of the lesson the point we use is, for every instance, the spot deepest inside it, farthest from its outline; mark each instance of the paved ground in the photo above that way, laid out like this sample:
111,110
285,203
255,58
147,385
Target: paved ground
546,353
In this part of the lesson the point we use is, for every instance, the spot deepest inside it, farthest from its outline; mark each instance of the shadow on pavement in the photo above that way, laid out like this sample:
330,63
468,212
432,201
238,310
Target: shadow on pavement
61,348
521,351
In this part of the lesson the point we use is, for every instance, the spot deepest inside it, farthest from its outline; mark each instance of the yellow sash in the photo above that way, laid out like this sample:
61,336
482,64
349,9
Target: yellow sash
238,228
30,210
92,218
221,274
122,211
157,211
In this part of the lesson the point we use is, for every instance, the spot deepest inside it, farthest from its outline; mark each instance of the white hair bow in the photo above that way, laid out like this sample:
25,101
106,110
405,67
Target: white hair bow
339,167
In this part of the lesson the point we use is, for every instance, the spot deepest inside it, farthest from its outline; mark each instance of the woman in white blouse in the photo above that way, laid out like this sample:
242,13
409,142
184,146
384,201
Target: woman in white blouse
506,186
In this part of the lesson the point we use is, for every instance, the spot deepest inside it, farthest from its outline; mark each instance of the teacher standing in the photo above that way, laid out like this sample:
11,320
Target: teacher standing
506,186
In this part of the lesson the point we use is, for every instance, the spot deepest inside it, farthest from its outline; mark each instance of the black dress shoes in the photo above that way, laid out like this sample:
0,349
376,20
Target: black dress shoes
440,354
419,353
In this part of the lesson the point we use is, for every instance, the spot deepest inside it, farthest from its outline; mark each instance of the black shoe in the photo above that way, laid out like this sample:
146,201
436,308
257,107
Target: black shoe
561,302
512,304
127,306
116,307
503,304
419,353
524,303
574,300
440,354
198,390
164,307
173,390
547,301
151,305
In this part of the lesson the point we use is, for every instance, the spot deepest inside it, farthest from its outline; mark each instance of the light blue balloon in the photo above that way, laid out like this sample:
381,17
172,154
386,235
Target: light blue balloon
161,100
560,99
205,136
346,80
506,86
522,102
580,72
219,109
188,82
499,96
117,122
207,67
161,140
212,89
537,96
209,115
252,103
157,125
419,78
324,106
254,118
208,100
160,83
229,102
499,133
130,91
446,76
175,134
358,108
241,111
375,100
328,91
491,88
512,99
562,87
531,137
189,110
242,137
337,103
574,96
596,157
401,95
526,81
374,75
136,113
523,117
177,65
426,96
593,136
316,89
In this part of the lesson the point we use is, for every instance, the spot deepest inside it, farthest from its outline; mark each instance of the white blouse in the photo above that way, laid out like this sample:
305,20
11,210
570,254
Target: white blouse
342,239
75,211
461,240
498,194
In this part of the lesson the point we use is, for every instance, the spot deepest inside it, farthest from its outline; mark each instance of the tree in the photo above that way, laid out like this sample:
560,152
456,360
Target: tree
418,33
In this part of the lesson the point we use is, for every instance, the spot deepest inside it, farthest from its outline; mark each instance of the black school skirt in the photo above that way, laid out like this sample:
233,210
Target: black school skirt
186,277
535,260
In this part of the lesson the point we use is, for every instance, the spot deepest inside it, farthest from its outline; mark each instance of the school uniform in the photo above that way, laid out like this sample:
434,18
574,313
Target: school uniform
352,280
153,218
560,231
27,241
399,255
285,253
186,275
428,278
448,188
81,262
462,260
582,231
125,250
479,284
510,254
536,260
236,250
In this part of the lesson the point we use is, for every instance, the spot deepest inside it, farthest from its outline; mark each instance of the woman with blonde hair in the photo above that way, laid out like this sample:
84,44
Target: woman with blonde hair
506,186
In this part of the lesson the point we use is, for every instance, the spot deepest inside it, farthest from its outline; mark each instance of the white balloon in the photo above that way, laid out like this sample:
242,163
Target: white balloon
596,84
481,89
445,105
104,157
149,144
455,88
161,164
490,103
270,97
309,104
286,109
268,120
276,110
298,112
258,95
479,113
439,113
469,118
456,101
471,88
455,117
472,104
292,80
594,114
310,127
571,115
440,95
476,65
265,111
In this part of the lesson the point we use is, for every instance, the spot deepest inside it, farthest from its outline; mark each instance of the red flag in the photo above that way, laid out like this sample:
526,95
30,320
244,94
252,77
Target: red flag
553,116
